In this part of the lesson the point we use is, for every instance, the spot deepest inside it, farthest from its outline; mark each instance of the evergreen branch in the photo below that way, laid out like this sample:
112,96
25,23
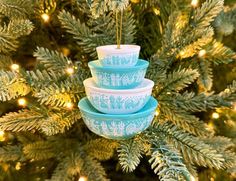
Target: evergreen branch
205,79
130,153
101,149
224,146
52,60
204,15
16,8
129,27
12,86
8,43
58,122
99,7
61,173
25,120
167,162
79,164
10,153
191,49
178,80
19,27
185,120
59,95
93,169
5,62
40,150
40,79
228,95
80,32
217,53
193,149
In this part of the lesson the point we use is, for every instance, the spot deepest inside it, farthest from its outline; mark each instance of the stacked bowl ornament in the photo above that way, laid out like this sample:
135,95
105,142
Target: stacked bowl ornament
119,104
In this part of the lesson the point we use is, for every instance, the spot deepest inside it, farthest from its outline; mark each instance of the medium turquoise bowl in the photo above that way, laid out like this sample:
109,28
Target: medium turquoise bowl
118,78
118,127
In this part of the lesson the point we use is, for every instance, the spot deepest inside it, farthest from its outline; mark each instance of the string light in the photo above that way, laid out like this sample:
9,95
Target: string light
194,3
15,67
18,166
2,133
234,107
69,105
192,178
202,53
70,70
45,17
82,178
157,113
215,115
22,102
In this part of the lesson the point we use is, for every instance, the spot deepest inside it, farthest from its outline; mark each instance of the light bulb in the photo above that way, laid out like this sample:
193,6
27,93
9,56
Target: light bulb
45,17
194,3
22,102
234,107
192,178
15,67
215,115
70,70
18,166
202,53
2,133
82,178
157,113
69,105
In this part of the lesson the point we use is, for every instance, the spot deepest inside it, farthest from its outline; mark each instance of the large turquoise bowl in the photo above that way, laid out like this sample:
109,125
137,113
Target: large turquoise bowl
118,78
118,127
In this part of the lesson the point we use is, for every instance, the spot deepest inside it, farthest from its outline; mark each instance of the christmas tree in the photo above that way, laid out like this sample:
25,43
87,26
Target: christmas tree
45,47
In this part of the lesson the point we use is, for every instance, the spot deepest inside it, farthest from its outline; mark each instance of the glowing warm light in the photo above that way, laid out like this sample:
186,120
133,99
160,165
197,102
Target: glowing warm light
70,70
215,115
181,53
234,107
192,178
69,105
15,67
156,11
83,178
22,102
18,166
2,133
202,53
45,17
157,113
194,3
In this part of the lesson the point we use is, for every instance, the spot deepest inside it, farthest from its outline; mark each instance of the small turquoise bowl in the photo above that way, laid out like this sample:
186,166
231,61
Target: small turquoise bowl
118,78
118,127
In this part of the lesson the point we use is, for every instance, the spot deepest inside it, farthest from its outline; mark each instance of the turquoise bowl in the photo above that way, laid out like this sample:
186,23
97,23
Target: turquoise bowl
118,78
118,127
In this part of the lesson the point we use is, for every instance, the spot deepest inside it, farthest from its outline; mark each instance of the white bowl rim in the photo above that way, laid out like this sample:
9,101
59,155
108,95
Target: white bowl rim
125,48
87,83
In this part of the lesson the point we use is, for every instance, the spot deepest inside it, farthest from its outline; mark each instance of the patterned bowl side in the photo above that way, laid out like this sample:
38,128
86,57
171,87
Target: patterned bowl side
118,101
125,78
120,60
117,127
126,56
